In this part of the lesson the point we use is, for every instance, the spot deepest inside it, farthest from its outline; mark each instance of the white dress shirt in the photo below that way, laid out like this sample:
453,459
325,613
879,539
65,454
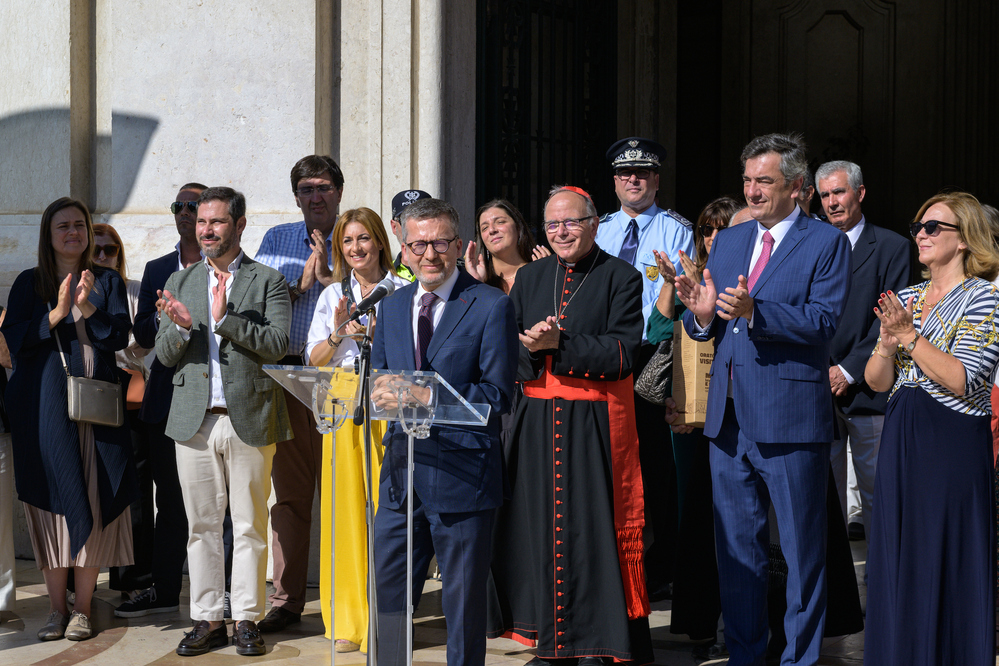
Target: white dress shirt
216,393
443,293
854,235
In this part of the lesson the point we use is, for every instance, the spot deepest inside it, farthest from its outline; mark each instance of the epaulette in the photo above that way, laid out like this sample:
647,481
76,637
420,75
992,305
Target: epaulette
603,217
679,218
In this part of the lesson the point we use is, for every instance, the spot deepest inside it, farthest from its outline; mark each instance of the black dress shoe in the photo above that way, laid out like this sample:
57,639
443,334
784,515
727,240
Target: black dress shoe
201,639
711,651
594,661
277,619
247,639
538,661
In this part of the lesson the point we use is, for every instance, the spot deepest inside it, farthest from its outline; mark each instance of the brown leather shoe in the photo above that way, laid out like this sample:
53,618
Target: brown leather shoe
247,639
201,639
277,619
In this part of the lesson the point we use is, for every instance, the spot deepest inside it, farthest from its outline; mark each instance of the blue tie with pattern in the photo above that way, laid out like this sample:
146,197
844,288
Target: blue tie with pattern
630,246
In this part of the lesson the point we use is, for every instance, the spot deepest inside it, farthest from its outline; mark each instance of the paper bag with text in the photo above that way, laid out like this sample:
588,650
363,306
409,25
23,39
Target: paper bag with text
691,376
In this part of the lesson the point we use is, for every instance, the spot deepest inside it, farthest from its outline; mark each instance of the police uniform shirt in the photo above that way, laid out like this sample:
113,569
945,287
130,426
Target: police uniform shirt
658,229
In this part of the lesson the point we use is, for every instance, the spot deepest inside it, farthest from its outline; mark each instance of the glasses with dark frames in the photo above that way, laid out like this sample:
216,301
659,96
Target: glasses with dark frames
178,206
440,245
932,227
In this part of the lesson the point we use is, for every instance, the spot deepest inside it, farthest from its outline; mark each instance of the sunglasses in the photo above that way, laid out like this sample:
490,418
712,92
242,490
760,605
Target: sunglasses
110,251
932,227
178,206
708,229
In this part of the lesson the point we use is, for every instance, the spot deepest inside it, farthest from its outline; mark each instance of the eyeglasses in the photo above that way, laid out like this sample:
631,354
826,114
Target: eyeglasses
708,229
110,251
308,190
440,246
571,225
626,174
932,227
178,206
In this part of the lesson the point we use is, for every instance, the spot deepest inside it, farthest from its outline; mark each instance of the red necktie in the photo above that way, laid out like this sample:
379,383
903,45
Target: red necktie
761,262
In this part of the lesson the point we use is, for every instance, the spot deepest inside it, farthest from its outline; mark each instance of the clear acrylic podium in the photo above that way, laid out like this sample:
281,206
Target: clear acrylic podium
416,400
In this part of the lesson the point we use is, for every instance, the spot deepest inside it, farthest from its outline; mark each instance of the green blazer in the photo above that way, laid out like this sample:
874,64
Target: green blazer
254,332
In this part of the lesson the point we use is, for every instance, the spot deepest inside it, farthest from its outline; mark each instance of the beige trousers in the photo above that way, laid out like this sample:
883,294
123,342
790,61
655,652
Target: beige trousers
216,469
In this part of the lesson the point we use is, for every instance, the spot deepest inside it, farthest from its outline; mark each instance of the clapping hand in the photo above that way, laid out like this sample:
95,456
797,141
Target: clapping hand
175,311
320,260
896,319
540,252
736,301
543,335
475,263
699,299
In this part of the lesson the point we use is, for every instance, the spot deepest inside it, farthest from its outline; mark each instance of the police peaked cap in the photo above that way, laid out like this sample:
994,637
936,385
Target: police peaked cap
636,152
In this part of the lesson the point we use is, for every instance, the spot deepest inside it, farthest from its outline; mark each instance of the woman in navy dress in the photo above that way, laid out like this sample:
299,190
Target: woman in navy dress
930,597
76,479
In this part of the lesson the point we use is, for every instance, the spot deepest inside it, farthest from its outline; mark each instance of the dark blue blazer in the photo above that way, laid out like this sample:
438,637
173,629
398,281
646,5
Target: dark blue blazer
780,367
159,386
475,349
881,261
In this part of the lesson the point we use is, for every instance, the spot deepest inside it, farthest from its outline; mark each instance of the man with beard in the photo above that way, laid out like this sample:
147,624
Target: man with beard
168,543
230,316
567,556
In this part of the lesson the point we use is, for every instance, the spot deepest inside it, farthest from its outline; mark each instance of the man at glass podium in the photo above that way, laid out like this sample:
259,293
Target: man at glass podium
449,323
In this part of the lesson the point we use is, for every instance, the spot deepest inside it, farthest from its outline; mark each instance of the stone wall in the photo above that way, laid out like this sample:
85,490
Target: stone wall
119,104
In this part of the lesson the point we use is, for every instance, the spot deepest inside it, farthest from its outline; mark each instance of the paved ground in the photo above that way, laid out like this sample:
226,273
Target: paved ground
152,639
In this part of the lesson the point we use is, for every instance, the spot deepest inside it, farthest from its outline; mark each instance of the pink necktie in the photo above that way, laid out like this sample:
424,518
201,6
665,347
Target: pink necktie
761,262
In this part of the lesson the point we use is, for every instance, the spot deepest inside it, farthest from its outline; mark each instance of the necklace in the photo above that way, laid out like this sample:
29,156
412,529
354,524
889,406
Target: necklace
560,311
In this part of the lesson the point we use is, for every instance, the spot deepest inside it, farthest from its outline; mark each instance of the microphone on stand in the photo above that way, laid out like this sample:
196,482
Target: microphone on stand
381,290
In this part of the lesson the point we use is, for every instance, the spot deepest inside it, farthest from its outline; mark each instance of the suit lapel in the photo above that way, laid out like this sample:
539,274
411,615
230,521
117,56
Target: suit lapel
865,246
794,236
241,283
455,308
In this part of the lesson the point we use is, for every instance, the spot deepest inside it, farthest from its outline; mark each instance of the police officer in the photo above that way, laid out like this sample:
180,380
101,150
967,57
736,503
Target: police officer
631,234
399,202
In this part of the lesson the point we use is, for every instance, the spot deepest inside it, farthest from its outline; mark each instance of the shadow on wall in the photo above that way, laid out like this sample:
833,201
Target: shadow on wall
36,149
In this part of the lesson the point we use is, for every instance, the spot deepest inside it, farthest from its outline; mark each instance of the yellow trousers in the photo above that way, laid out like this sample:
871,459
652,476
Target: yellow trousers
351,604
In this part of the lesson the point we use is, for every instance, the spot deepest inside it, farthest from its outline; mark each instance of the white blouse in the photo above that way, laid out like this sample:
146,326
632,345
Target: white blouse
322,321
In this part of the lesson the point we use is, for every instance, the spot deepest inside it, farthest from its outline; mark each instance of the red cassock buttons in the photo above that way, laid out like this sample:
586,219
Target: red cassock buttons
561,633
558,515
558,462
558,529
558,409
570,270
558,423
566,291
558,449
558,543
560,594
558,555
560,647
558,436
586,374
559,582
558,476
561,316
558,501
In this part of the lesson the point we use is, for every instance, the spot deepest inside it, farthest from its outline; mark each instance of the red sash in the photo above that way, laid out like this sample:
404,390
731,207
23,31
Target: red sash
626,470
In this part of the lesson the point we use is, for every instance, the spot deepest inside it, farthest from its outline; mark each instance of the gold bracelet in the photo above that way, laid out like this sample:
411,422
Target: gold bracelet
878,346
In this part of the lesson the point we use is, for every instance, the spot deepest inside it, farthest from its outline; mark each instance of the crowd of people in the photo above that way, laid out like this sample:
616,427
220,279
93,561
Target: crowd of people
580,502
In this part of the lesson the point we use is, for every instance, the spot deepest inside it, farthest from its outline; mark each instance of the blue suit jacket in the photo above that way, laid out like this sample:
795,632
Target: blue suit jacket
474,348
159,386
780,367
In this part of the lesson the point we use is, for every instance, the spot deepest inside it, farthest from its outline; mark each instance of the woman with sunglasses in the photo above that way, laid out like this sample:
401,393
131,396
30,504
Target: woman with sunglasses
109,252
931,554
360,260
76,479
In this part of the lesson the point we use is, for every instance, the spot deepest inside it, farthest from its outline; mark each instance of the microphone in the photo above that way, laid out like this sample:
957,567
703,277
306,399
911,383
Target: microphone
381,290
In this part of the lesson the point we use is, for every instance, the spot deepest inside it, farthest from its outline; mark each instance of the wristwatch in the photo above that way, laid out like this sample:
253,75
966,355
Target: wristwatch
912,345
293,287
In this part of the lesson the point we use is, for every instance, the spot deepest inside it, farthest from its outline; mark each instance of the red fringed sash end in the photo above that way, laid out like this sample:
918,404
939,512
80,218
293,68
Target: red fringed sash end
630,552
